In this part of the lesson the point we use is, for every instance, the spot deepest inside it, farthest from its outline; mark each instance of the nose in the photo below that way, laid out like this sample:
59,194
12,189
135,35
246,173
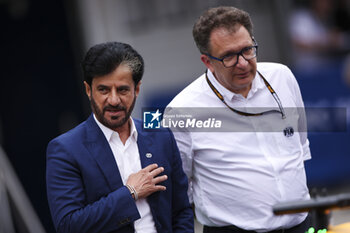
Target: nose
241,61
113,98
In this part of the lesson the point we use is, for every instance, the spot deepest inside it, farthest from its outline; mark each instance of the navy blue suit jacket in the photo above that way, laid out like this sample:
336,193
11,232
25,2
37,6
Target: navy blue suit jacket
86,193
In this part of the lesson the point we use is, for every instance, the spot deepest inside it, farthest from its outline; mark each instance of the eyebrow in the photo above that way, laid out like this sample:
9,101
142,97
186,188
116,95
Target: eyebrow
101,86
123,87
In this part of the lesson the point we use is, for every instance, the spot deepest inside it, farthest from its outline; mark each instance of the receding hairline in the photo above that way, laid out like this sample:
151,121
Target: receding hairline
123,65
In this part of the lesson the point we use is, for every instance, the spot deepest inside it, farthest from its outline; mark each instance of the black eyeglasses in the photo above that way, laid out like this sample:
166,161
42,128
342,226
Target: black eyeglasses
231,59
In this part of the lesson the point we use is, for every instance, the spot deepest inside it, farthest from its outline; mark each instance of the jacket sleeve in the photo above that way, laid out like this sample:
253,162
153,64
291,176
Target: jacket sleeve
182,214
70,209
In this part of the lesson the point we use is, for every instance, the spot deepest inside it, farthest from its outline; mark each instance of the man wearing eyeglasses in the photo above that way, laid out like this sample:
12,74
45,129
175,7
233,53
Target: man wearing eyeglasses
236,177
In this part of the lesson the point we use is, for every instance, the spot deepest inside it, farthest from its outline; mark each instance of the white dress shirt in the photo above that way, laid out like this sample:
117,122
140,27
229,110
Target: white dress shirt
128,160
236,177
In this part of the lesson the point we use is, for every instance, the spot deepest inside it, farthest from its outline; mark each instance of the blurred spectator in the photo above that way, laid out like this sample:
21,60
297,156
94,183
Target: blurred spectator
319,34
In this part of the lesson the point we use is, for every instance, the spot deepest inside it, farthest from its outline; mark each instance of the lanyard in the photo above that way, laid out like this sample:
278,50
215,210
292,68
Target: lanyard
267,84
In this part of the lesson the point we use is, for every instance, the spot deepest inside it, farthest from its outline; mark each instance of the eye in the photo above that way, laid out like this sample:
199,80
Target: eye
102,89
229,57
248,50
124,90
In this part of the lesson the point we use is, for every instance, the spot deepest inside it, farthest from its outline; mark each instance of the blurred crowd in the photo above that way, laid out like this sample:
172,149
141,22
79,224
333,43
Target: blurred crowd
320,35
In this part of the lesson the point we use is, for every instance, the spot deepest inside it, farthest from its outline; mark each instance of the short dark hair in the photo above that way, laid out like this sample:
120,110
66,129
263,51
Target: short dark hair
104,58
223,16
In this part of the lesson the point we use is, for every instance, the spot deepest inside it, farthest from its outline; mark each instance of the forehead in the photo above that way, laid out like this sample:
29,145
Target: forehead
223,40
122,75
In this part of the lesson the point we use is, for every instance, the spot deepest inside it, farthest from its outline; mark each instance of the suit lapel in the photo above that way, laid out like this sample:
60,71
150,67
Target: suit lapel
144,144
146,147
100,150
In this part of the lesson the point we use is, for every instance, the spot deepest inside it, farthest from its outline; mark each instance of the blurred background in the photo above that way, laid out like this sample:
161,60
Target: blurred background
42,96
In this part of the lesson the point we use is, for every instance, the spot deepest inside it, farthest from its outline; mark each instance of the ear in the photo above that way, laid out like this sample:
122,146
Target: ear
87,90
205,59
137,89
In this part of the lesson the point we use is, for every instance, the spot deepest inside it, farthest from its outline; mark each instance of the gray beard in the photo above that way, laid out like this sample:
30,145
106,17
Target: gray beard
100,114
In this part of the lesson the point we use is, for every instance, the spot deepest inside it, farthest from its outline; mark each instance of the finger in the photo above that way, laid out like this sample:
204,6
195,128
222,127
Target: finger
160,188
157,171
160,179
151,167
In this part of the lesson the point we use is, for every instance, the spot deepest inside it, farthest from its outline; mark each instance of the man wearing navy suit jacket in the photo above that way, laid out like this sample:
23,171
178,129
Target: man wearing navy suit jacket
107,174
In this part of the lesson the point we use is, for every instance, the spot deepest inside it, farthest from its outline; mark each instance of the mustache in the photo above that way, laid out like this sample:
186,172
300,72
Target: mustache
114,108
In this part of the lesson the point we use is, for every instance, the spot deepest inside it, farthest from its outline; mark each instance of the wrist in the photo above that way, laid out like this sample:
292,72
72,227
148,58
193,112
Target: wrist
132,191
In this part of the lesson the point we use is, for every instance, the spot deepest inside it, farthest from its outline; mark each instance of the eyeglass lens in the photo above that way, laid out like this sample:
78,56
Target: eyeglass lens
247,53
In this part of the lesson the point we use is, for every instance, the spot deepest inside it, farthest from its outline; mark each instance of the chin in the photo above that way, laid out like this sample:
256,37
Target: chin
245,82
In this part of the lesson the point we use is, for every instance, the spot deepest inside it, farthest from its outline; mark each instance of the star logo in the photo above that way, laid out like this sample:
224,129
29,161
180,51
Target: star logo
151,119
156,115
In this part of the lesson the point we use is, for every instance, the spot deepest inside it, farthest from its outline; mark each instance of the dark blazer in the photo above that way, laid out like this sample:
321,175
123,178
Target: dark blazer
86,193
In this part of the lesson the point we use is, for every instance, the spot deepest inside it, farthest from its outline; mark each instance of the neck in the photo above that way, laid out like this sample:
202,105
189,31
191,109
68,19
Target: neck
124,131
243,91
